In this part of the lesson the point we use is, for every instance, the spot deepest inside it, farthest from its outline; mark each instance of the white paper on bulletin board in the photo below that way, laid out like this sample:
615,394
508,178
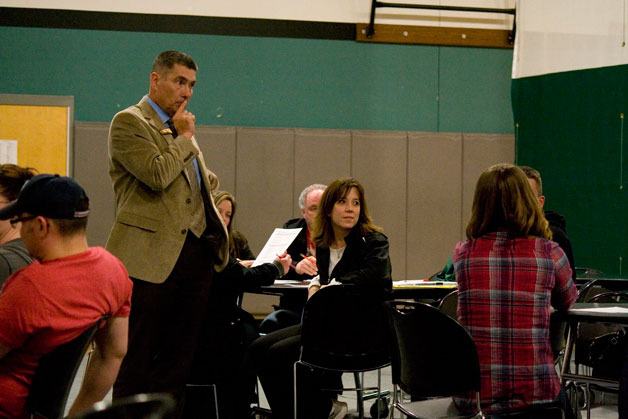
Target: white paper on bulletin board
8,151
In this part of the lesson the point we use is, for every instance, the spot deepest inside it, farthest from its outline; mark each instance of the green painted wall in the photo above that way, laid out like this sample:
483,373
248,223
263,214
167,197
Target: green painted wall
571,129
279,82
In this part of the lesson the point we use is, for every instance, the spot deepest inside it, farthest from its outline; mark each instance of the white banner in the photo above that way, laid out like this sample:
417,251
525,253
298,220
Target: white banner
342,11
563,35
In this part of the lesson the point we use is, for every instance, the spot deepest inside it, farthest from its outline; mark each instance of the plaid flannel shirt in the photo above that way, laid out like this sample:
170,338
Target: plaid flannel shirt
507,286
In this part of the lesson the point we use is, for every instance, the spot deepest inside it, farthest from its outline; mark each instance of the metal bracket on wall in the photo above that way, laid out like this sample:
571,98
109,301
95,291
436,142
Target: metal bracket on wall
375,4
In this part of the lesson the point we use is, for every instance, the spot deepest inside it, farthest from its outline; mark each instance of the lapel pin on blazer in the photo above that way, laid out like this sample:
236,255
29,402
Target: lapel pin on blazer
165,131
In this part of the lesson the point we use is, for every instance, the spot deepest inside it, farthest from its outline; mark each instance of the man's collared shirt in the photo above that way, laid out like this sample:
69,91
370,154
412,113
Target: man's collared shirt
164,117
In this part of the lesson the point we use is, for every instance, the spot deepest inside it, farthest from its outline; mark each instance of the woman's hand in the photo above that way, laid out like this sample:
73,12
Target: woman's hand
312,289
307,266
246,263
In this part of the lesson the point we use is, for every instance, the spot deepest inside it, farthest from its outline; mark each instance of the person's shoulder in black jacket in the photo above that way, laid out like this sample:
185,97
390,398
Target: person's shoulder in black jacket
298,247
558,225
557,222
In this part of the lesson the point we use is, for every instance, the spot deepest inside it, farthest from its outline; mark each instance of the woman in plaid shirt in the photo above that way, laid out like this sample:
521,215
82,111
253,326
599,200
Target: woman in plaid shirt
510,275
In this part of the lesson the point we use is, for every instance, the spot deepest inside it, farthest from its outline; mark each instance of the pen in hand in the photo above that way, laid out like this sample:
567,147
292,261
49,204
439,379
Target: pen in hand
293,265
308,268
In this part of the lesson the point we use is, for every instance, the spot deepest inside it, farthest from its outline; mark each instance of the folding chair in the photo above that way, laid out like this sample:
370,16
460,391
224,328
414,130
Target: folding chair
54,376
600,286
597,344
585,272
434,359
344,329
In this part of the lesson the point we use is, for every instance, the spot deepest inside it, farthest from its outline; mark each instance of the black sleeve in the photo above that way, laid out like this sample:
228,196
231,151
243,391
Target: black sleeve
374,270
259,276
559,236
297,248
238,279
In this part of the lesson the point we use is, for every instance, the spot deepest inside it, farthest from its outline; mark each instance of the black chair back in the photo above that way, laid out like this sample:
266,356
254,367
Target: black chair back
55,373
139,406
600,286
345,328
434,355
585,272
591,337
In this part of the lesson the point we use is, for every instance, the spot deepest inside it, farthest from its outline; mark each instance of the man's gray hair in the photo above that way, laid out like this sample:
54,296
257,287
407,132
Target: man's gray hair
305,192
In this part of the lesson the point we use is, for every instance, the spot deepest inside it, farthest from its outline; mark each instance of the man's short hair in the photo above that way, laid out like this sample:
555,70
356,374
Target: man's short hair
305,192
71,227
167,59
534,174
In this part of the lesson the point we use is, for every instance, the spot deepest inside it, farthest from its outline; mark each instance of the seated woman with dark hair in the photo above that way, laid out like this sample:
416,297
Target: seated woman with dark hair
350,249
510,276
13,253
228,328
238,244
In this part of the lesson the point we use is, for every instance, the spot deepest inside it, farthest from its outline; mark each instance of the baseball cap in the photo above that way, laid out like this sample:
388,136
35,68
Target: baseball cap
52,196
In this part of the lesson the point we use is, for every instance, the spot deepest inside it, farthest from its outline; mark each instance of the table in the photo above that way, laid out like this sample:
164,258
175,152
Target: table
421,289
416,289
591,313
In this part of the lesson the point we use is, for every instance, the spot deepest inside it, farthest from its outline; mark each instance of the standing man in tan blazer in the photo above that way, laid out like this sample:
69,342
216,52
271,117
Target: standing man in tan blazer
167,230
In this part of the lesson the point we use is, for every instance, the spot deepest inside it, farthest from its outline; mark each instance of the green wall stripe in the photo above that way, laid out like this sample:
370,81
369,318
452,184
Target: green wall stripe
278,82
570,127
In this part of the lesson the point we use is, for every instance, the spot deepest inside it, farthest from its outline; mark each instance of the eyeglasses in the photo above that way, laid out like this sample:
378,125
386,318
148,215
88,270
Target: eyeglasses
16,220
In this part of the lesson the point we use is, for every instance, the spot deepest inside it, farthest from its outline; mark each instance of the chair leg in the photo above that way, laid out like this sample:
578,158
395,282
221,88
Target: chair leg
379,393
360,394
295,389
198,397
588,400
395,399
215,400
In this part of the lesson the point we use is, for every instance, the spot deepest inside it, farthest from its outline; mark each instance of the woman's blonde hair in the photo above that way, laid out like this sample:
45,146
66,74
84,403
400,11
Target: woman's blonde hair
504,201
338,189
220,196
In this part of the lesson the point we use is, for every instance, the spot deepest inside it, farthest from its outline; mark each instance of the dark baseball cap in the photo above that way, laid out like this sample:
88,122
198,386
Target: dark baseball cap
52,196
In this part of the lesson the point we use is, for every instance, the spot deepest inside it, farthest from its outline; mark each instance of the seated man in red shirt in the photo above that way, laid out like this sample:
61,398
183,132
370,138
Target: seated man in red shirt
67,289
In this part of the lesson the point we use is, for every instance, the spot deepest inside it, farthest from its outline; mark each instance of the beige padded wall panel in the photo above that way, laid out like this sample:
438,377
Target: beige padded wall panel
218,145
434,200
91,170
479,152
320,156
264,179
379,163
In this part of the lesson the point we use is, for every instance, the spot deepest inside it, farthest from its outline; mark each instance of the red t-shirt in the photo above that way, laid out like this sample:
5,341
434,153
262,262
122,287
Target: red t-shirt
48,304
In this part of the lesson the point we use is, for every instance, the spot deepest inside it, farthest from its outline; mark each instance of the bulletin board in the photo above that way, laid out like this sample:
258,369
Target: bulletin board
42,127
